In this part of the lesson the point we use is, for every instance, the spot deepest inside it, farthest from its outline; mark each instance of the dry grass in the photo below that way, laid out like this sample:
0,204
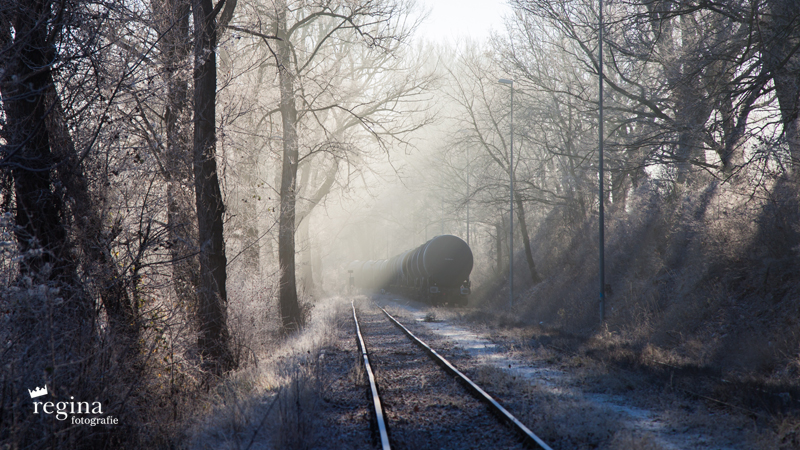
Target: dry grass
275,402
253,315
34,355
702,282
707,275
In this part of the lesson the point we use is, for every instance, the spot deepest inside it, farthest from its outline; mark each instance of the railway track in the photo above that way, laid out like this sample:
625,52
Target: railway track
417,405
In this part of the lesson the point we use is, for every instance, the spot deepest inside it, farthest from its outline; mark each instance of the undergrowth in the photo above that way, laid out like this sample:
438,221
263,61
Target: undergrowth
275,402
705,279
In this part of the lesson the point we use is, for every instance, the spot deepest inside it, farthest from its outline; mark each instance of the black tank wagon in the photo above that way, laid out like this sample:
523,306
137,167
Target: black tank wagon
436,272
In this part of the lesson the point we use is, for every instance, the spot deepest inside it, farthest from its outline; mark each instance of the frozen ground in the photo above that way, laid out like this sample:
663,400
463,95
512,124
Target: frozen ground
308,392
639,414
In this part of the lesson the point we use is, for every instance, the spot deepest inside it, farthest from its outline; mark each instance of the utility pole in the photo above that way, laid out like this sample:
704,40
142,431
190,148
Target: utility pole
602,238
468,169
510,83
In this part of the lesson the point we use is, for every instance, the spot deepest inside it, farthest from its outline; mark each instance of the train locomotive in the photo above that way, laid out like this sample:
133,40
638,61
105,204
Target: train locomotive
436,272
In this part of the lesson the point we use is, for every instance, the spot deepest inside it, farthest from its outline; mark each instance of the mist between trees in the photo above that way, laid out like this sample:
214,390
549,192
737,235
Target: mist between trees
181,178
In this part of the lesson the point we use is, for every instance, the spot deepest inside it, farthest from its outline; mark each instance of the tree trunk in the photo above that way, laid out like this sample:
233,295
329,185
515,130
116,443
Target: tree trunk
523,230
499,228
93,238
60,332
782,56
303,235
25,80
181,226
213,340
249,213
316,268
305,269
311,200
693,113
291,317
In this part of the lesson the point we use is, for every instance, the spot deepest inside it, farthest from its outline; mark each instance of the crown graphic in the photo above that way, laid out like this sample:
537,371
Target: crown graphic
38,392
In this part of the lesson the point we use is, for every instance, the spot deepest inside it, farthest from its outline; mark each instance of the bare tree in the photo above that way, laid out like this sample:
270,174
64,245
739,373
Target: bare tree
327,56
214,339
26,82
484,120
171,19
780,44
54,109
681,80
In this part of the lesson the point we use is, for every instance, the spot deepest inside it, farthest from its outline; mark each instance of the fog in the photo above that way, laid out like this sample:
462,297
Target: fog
181,182
397,205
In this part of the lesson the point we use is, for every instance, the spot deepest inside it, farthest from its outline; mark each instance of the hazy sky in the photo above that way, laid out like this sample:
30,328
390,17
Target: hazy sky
451,19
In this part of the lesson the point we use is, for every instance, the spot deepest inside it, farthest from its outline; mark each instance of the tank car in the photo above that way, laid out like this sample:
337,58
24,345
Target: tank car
436,272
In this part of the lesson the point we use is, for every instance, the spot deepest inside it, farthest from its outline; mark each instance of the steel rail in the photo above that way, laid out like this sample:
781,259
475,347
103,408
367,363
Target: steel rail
376,399
528,435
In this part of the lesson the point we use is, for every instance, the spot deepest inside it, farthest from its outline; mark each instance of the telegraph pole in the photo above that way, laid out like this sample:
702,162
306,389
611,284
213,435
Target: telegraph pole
510,83
602,238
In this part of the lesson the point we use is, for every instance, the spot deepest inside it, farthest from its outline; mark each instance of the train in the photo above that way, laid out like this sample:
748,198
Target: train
437,272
